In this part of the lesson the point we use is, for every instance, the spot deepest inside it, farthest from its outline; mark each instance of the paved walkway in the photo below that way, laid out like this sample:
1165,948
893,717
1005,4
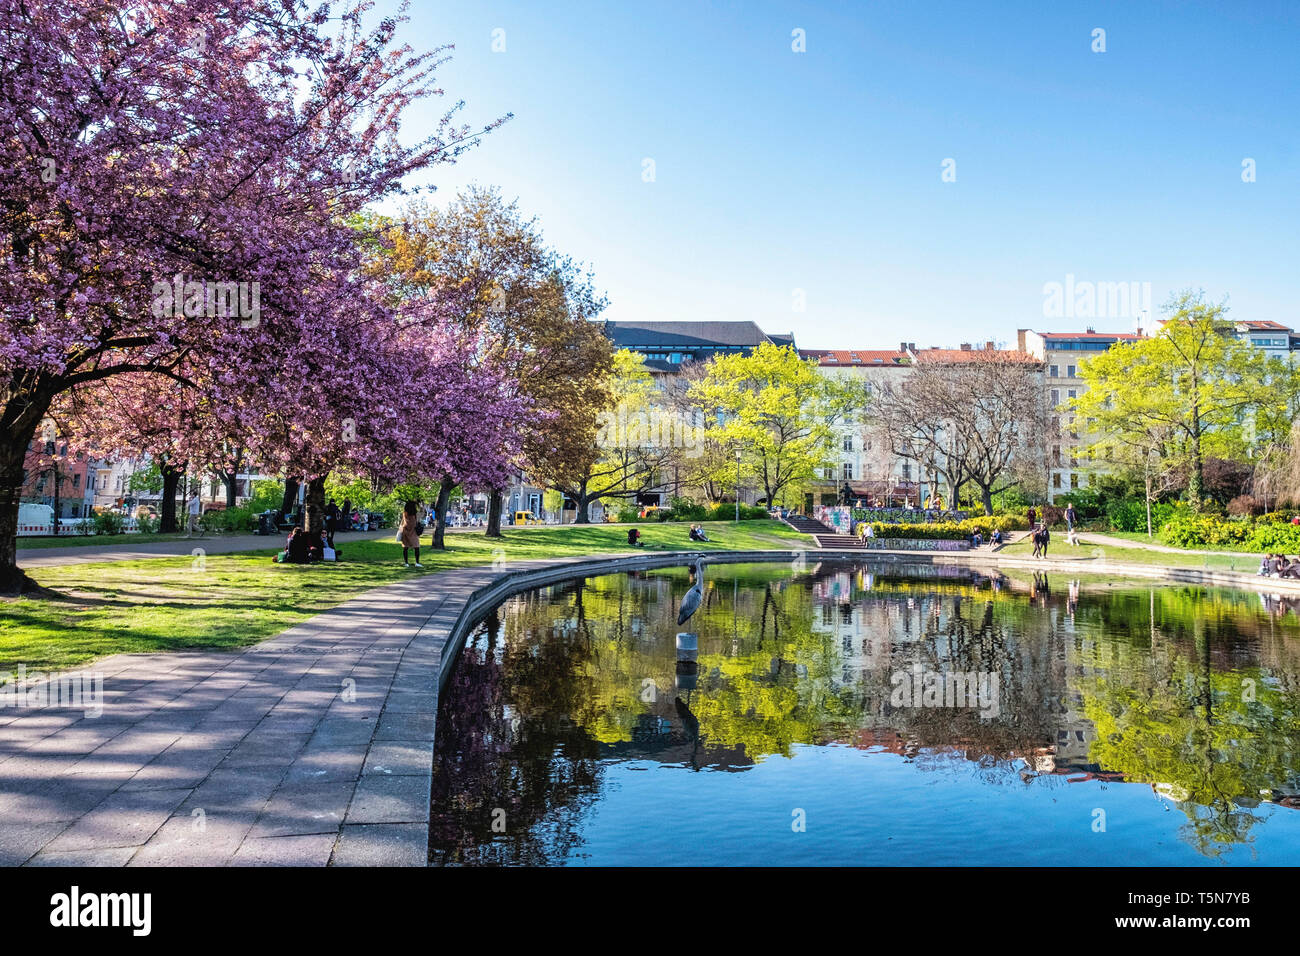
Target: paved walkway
60,555
1090,537
312,748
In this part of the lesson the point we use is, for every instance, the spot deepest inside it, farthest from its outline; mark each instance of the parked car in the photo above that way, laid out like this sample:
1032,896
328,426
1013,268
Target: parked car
526,517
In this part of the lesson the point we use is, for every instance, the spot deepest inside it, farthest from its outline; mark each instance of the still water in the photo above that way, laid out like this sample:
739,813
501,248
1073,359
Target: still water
860,714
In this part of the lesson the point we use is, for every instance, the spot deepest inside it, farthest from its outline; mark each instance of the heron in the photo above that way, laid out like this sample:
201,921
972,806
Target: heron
693,597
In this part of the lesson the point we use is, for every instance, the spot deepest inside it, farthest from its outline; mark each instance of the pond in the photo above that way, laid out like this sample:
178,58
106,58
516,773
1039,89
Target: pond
872,714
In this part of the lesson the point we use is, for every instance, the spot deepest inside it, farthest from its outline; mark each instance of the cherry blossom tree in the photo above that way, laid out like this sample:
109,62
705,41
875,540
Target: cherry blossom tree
179,177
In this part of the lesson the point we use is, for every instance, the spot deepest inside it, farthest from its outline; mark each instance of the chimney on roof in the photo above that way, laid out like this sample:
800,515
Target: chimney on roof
902,346
1091,330
911,346
965,346
989,346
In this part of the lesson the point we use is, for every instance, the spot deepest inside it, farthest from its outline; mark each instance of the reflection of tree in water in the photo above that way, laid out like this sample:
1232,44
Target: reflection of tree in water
541,769
582,674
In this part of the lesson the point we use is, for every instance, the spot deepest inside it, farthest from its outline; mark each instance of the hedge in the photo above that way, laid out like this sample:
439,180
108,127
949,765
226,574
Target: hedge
1188,530
952,530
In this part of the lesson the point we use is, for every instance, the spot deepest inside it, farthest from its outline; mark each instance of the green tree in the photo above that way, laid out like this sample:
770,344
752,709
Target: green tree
1168,402
777,409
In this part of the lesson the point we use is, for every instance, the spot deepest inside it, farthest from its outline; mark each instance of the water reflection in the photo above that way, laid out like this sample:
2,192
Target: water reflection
567,696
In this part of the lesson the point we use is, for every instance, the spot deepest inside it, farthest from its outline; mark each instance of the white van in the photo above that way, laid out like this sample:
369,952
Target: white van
35,519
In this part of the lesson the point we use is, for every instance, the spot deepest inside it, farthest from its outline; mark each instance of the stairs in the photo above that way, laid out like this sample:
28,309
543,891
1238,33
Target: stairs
808,525
826,536
839,541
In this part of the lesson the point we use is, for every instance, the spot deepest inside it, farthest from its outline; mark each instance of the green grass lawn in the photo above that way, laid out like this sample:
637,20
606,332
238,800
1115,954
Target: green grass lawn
1092,554
234,600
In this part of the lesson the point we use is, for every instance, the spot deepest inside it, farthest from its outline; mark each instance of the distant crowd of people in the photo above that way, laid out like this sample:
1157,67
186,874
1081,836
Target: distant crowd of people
1279,566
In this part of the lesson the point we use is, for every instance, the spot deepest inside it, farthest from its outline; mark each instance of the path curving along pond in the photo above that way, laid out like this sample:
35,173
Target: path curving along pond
857,712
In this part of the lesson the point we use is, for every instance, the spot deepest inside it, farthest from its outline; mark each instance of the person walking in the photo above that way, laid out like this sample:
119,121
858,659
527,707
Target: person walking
195,508
1069,517
408,533
1047,537
1033,518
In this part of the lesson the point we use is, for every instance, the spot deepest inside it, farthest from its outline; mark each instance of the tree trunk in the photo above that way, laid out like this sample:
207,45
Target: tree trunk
13,452
54,473
313,521
228,479
290,495
583,501
440,512
986,496
1148,489
171,477
494,514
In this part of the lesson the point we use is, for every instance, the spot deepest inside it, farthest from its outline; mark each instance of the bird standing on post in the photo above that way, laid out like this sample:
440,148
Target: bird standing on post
692,599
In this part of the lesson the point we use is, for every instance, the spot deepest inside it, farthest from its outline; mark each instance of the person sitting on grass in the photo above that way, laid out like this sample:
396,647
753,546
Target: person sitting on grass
697,533
295,551
1265,565
996,537
634,537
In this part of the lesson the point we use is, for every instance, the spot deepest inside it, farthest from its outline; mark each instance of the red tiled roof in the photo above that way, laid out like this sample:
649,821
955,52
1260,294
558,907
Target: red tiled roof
973,355
864,356
1265,326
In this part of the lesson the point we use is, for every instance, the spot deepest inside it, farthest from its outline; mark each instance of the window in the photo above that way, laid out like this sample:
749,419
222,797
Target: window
1056,480
1056,454
1056,397
76,482
675,357
1069,371
907,471
848,471
828,473
848,443
1072,393
1054,371
1074,480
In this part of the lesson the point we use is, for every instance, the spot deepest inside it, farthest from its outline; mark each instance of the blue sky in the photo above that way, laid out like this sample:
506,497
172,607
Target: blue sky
820,171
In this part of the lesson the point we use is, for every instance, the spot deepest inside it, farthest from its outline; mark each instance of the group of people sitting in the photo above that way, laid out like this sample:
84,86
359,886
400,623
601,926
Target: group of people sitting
995,537
697,533
1277,566
306,548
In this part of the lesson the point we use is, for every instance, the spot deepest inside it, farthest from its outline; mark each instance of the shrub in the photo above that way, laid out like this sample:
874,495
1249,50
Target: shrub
1088,503
1245,505
952,530
109,522
1130,514
1188,530
86,526
1271,537
232,519
147,524
626,514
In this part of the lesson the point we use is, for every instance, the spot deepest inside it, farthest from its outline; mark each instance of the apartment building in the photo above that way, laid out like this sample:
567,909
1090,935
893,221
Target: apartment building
1062,354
